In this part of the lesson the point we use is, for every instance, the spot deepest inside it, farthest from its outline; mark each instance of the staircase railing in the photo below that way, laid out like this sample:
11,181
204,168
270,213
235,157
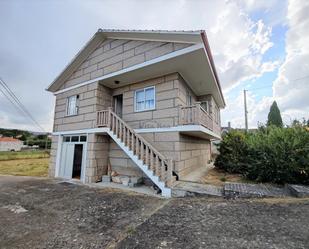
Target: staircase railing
156,162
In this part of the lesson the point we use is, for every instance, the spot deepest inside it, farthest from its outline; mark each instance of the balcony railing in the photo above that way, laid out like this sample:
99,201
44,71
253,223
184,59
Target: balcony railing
195,115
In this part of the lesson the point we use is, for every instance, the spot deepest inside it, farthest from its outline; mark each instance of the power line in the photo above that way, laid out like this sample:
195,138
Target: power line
17,103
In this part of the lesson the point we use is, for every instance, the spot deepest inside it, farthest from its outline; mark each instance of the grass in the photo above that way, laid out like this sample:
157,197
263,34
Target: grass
25,167
35,154
218,177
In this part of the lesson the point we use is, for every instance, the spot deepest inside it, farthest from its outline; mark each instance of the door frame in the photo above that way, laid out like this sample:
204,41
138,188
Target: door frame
59,155
115,103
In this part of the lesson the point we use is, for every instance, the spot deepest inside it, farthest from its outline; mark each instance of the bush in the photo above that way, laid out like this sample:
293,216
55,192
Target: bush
273,154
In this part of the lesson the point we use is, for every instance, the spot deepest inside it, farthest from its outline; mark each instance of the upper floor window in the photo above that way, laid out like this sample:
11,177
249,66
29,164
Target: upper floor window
205,106
72,105
189,99
145,99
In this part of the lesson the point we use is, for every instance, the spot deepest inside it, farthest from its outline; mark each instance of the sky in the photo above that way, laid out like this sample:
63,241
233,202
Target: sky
260,46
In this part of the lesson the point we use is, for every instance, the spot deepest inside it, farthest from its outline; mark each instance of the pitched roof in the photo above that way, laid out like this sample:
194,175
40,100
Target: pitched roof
182,36
9,139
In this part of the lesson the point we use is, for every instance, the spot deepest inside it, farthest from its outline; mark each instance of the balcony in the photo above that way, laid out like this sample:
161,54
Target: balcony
196,115
193,115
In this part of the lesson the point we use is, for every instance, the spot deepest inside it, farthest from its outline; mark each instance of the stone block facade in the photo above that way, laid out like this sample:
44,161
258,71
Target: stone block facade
188,153
115,54
97,157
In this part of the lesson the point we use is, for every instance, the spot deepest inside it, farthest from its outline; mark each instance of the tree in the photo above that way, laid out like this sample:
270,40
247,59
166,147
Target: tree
274,116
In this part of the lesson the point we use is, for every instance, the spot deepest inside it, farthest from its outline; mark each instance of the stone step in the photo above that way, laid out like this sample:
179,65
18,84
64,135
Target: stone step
300,191
245,190
182,189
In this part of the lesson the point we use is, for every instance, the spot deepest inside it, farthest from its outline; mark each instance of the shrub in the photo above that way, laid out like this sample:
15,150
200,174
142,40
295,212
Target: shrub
272,154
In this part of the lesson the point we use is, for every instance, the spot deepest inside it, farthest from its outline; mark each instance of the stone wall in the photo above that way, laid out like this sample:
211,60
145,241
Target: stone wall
53,155
92,98
116,54
187,152
97,157
170,90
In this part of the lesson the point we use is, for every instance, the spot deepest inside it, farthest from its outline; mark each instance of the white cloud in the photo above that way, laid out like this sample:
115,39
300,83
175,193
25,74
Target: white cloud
291,88
53,32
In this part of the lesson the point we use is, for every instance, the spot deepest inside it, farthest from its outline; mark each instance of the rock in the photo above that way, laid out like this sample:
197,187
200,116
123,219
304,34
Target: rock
114,173
125,180
116,179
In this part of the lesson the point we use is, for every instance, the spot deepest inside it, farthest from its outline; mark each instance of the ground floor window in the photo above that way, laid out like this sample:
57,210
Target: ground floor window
75,138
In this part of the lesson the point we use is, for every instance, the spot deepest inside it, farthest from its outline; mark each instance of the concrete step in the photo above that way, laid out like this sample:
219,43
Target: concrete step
182,189
300,191
245,190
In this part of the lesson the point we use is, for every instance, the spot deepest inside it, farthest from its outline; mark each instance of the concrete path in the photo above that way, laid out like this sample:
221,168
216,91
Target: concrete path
43,213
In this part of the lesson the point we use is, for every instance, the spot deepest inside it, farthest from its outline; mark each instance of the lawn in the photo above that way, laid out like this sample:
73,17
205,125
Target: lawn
24,163
8,155
218,177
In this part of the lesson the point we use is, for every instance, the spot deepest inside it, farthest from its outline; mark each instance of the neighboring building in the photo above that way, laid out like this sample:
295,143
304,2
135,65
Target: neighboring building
10,144
148,102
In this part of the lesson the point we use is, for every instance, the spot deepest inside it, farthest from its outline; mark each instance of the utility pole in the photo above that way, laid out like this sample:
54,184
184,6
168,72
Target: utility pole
246,112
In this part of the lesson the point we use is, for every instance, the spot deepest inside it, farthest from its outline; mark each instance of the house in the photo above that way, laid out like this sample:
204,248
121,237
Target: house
10,144
147,102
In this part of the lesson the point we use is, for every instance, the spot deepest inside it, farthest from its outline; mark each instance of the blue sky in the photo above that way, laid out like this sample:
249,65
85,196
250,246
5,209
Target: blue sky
253,43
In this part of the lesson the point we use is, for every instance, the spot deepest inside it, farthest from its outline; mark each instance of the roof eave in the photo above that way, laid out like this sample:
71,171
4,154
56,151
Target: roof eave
209,54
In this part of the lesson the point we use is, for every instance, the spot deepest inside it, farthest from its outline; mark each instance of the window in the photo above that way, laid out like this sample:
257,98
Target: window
76,139
72,105
145,99
189,99
83,138
205,106
66,139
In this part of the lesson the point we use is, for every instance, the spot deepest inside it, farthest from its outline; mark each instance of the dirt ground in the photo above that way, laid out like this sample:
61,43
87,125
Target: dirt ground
41,213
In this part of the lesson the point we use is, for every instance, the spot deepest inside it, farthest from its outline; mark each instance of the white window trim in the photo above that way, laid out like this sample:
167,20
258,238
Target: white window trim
67,107
145,110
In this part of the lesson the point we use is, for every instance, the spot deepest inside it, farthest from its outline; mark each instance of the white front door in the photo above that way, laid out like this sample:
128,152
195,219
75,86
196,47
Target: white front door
66,164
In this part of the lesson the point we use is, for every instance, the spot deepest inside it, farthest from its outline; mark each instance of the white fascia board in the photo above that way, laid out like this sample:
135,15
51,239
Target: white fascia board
181,128
138,66
84,131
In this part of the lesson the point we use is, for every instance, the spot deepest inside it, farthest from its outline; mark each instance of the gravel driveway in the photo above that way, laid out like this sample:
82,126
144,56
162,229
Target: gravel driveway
41,213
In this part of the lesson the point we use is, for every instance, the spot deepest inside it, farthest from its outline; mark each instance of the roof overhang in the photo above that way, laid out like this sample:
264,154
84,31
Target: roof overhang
194,63
191,63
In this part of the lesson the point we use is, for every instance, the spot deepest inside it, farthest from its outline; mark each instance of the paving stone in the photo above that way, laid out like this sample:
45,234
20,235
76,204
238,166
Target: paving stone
298,190
183,189
245,190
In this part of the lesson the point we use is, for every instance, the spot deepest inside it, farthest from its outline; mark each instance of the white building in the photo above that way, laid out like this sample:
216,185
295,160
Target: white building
10,144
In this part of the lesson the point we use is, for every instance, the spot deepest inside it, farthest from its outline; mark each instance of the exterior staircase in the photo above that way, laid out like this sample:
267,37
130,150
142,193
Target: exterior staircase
143,154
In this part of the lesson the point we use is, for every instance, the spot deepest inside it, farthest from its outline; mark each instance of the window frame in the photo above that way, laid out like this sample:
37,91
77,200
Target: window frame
68,106
144,90
207,106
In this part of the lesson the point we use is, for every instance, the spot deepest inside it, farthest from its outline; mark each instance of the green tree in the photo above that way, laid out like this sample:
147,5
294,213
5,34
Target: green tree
274,116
